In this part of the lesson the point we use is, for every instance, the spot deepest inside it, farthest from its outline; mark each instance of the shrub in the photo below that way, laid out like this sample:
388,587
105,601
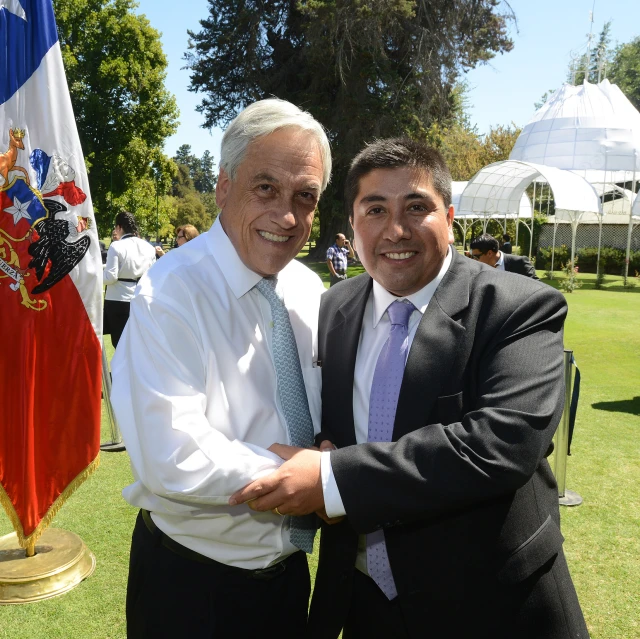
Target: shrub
543,260
570,284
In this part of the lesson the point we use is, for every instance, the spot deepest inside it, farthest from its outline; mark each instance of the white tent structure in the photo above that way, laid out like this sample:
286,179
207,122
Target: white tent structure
497,189
592,130
465,220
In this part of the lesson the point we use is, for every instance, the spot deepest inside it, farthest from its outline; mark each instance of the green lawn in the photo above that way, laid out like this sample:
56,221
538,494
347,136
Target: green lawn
602,535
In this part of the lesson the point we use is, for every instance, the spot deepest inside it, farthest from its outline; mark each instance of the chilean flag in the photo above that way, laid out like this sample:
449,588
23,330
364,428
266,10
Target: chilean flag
50,279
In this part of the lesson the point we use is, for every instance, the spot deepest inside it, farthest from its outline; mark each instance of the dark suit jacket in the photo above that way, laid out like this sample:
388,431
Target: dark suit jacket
520,265
464,493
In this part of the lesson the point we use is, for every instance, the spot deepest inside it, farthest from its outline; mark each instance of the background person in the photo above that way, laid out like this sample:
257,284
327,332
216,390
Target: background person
128,259
507,249
184,234
485,249
337,258
442,414
217,364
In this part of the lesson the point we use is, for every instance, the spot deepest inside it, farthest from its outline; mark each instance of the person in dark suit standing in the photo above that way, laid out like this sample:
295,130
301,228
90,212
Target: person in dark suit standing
506,248
442,389
485,249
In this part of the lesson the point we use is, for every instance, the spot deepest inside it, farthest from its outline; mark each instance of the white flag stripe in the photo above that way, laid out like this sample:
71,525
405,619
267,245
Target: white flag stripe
42,106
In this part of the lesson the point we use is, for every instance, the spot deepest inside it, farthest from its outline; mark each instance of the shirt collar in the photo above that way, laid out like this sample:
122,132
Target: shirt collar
382,299
500,261
238,276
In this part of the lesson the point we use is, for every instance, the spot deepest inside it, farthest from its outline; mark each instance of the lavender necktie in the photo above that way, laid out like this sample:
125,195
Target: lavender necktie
383,402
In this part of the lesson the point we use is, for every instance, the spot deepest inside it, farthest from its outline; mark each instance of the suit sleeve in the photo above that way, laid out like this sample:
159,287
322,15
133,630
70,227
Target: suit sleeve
529,269
504,430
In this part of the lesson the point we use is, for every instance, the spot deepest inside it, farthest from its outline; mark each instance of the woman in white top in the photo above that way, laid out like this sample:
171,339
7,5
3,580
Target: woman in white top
128,259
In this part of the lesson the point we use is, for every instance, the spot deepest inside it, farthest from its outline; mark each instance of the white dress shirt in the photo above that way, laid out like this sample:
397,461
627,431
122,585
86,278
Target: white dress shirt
373,335
500,263
194,391
129,258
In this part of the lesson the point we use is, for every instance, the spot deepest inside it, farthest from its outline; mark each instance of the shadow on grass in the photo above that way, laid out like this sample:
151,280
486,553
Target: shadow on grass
631,406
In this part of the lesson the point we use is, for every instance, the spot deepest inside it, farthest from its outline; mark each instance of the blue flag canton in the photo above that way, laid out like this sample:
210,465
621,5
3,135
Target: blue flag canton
27,32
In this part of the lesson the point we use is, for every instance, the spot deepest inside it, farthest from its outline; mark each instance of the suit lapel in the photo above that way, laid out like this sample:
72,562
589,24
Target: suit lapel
434,350
344,337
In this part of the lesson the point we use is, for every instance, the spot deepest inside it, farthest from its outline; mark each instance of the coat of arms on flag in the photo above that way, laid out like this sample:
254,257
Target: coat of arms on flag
50,279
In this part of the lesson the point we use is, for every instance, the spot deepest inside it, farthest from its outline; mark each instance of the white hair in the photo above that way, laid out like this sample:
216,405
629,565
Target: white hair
265,117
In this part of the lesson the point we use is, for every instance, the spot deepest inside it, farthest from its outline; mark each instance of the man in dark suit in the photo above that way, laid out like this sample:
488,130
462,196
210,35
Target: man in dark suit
442,388
486,250
506,248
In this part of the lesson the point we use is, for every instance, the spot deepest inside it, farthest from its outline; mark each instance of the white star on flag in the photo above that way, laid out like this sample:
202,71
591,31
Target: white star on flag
18,210
13,6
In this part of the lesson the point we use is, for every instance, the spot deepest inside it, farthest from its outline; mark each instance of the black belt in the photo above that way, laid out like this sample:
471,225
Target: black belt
124,279
265,574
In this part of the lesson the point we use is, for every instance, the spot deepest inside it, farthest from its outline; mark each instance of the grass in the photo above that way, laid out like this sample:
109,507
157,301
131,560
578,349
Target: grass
602,536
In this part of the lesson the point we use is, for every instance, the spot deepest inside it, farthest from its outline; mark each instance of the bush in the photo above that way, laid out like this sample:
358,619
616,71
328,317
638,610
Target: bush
611,259
543,258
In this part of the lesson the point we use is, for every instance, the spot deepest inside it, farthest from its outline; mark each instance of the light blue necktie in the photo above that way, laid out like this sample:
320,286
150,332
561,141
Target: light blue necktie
383,401
293,397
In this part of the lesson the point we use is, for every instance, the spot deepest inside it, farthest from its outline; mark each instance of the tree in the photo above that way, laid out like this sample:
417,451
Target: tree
592,66
364,68
188,205
201,170
625,70
116,71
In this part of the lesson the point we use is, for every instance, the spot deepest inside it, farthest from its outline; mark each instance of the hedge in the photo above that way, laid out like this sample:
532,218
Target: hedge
611,259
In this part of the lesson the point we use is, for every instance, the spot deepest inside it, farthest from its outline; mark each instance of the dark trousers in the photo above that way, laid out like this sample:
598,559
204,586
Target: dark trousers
116,316
172,596
372,615
335,280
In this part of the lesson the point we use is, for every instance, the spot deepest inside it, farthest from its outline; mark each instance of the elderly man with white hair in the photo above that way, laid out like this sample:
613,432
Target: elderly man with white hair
217,363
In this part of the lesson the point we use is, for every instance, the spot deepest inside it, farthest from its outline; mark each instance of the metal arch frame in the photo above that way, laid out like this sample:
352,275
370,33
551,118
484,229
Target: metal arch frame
578,197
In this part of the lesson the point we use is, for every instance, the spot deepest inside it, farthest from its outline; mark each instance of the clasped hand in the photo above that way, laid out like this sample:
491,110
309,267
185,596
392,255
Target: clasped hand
294,489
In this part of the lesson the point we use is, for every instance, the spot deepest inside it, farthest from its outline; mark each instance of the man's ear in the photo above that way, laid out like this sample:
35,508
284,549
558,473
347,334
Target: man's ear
222,188
450,214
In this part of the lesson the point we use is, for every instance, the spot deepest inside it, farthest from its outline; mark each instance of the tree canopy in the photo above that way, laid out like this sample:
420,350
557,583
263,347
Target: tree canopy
363,68
625,70
116,72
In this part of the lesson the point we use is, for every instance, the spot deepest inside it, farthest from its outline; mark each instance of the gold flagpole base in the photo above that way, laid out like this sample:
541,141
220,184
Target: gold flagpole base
61,562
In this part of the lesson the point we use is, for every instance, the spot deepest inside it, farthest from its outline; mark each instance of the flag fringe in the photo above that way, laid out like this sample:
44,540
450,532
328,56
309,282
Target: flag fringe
46,521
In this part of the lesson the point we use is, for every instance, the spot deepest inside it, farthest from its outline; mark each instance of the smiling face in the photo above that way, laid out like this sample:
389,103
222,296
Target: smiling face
267,210
402,228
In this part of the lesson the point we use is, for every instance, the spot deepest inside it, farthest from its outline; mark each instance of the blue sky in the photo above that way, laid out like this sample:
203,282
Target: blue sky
502,92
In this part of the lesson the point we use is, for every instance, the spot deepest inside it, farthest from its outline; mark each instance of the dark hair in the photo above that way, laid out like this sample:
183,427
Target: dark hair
485,243
506,238
127,223
396,153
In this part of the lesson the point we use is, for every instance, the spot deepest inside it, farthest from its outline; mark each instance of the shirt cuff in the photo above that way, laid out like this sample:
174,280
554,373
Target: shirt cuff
332,500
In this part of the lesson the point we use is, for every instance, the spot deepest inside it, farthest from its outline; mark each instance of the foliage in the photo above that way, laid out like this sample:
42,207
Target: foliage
364,69
466,152
593,66
625,70
201,170
188,204
570,283
548,275
140,199
116,70
546,96
612,260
